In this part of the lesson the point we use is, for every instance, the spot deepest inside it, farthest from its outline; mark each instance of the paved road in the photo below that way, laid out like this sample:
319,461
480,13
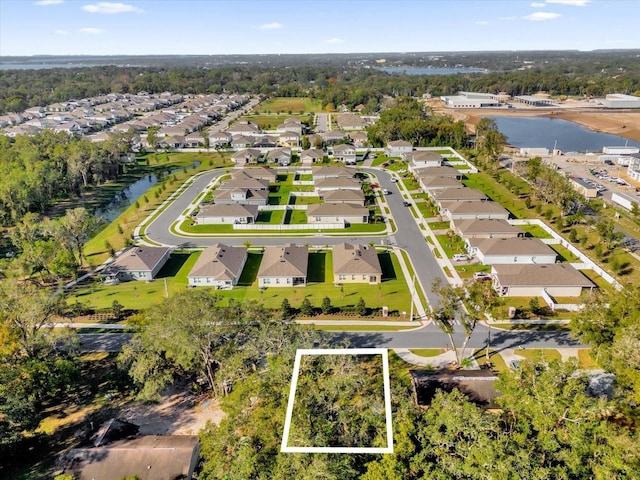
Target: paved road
428,336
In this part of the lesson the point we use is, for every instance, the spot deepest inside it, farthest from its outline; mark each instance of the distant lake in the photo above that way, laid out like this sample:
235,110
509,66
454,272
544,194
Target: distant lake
543,132
42,66
430,71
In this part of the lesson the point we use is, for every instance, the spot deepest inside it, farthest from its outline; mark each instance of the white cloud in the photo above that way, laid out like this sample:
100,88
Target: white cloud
334,40
109,8
541,16
482,22
61,32
91,31
270,26
538,5
44,3
575,3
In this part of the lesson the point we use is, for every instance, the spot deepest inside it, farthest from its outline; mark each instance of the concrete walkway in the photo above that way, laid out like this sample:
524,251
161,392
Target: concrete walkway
439,361
370,323
510,357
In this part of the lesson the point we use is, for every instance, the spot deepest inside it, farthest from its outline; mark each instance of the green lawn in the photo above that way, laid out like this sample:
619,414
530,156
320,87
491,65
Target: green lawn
495,360
564,254
427,352
451,246
293,104
535,231
270,122
539,354
439,225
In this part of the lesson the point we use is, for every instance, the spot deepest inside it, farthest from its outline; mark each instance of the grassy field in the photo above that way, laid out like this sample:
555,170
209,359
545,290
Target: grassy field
270,122
290,104
393,291
495,360
95,250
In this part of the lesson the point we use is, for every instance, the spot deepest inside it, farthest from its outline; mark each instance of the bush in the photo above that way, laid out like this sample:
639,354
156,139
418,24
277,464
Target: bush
326,305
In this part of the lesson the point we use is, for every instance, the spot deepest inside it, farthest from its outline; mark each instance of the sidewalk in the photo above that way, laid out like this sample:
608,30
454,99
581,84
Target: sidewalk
439,361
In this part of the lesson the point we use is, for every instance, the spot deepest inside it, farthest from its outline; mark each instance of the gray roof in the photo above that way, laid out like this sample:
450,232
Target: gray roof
336,210
231,210
334,171
219,261
242,179
437,172
485,225
441,182
225,194
399,143
424,156
151,457
511,246
261,173
355,259
312,152
344,196
473,206
138,259
287,261
337,182
531,275
459,194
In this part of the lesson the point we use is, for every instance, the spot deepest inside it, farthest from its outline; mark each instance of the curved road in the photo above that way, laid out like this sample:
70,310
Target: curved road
408,235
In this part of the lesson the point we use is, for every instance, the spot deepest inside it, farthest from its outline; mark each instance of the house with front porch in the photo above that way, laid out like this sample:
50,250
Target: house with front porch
137,263
284,266
218,266
356,264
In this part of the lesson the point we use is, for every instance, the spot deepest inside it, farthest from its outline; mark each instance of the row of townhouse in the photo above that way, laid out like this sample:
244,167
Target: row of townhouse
220,266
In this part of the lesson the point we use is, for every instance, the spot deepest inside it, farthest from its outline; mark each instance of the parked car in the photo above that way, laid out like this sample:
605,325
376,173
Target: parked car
481,276
385,191
460,257
394,179
406,204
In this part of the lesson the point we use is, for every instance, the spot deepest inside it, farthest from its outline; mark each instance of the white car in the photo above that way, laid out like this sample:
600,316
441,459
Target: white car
394,179
385,191
460,257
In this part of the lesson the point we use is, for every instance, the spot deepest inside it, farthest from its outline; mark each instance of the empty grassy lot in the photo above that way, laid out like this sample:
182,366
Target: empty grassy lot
290,104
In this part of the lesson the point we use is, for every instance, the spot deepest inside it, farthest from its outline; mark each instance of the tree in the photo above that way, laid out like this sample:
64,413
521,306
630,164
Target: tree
286,309
361,307
326,306
74,229
306,308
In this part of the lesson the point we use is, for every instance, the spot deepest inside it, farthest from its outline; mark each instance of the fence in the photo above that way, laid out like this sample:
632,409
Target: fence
282,228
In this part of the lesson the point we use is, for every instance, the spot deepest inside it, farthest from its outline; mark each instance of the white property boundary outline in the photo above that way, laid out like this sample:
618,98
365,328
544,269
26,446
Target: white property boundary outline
387,401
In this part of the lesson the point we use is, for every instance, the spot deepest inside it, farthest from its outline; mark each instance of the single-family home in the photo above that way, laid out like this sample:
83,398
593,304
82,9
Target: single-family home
264,141
333,171
225,214
527,280
424,158
336,184
356,197
443,171
194,140
281,156
247,155
243,128
243,179
356,264
398,148
347,213
219,139
349,121
311,155
344,153
431,184
137,263
291,124
469,209
241,141
491,251
218,266
259,172
453,194
477,385
284,266
359,138
289,139
174,141
485,228
242,196
333,136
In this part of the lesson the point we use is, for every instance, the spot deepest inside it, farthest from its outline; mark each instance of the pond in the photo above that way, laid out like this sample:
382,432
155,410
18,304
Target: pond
129,195
544,132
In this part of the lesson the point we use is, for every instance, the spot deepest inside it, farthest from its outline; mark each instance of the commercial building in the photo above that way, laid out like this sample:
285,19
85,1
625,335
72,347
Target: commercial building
619,100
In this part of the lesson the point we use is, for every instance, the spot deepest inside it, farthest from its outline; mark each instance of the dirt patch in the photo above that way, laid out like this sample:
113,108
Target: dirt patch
178,413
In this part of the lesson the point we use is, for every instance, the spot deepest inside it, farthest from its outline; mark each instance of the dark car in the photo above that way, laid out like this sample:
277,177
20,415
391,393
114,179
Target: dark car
406,204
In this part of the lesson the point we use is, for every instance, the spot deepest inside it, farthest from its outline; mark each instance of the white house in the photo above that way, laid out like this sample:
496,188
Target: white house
518,250
485,228
557,280
137,263
218,266
344,153
337,213
398,148
424,158
224,214
469,210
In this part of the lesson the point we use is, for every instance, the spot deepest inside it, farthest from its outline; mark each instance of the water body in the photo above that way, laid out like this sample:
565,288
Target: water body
546,132
431,71
132,193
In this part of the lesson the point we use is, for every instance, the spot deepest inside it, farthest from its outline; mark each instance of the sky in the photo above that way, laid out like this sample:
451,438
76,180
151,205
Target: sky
216,27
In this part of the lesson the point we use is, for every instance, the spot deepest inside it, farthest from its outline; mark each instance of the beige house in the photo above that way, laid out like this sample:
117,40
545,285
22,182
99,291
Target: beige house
224,214
344,153
243,179
424,158
443,171
284,266
356,264
356,197
248,155
337,213
137,263
218,266
453,194
557,280
485,228
343,183
518,250
333,171
469,210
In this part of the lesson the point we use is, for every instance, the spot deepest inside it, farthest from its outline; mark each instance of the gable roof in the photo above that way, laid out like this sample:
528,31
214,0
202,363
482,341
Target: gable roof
399,143
219,261
233,210
459,194
336,182
551,275
286,261
512,246
242,179
344,147
473,206
336,210
312,152
250,193
440,182
334,171
344,195
424,156
485,225
138,259
437,172
355,259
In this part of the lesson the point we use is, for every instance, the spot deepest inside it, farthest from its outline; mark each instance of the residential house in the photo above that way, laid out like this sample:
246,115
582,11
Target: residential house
424,158
174,141
219,139
218,266
356,264
244,179
137,263
247,155
281,156
432,184
284,266
332,137
258,172
491,251
349,121
146,457
355,197
242,196
241,141
194,140
359,139
398,148
453,194
527,280
292,125
468,210
225,214
429,172
311,155
485,228
289,139
347,213
264,141
344,153
243,128
333,171
336,184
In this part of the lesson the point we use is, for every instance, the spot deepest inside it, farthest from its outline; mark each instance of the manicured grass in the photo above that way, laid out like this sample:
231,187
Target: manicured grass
379,160
467,271
419,291
293,104
427,352
439,225
540,354
564,255
585,360
497,362
533,327
360,328
451,246
270,122
535,231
